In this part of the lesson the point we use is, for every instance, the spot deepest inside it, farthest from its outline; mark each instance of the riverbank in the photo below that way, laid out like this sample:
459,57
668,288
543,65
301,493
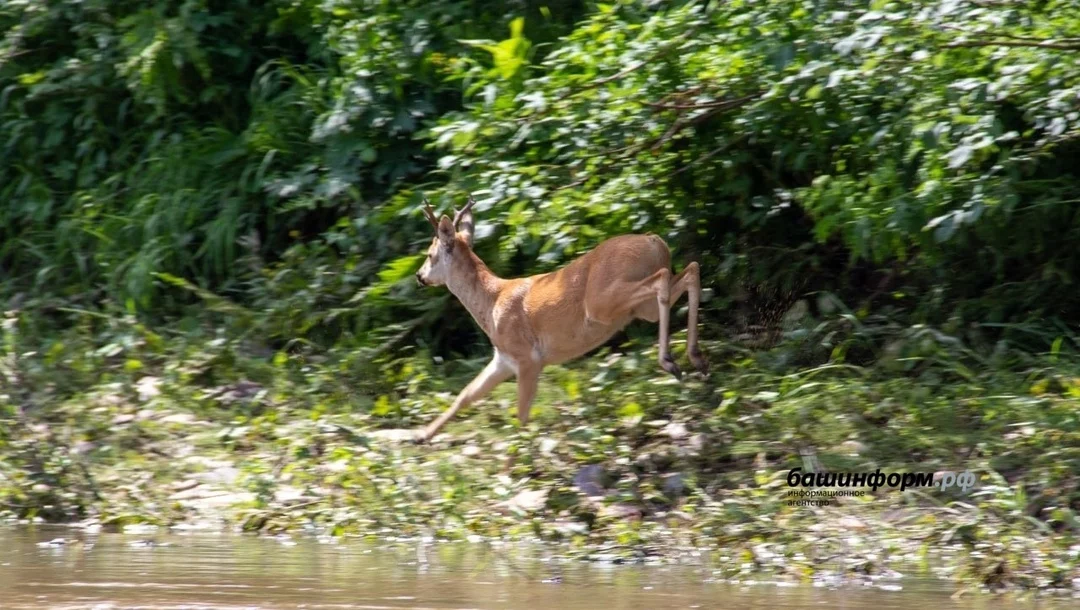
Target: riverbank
167,571
621,462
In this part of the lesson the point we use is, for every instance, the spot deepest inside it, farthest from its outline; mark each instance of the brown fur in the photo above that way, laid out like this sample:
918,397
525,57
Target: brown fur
554,317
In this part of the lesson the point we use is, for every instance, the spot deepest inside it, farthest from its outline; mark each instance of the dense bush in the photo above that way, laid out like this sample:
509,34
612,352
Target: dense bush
163,137
911,155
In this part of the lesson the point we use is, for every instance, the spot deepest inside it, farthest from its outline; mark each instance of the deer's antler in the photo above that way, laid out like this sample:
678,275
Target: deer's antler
430,214
459,215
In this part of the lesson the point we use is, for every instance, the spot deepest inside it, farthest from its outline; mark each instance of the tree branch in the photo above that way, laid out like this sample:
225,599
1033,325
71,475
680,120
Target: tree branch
674,129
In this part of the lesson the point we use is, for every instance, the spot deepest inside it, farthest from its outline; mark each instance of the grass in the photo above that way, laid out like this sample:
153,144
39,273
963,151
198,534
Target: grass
112,423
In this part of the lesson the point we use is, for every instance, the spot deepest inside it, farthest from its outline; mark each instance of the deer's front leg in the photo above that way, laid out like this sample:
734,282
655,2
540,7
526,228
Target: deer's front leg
496,372
527,381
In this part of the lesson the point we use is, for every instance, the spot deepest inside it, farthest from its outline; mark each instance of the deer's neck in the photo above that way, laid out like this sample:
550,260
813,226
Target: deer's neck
477,287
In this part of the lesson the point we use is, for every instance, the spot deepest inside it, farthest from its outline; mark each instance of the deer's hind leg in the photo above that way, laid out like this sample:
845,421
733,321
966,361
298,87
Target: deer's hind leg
649,299
689,281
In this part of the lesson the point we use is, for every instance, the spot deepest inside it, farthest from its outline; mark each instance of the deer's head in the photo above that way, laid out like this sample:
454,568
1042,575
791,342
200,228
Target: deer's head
453,240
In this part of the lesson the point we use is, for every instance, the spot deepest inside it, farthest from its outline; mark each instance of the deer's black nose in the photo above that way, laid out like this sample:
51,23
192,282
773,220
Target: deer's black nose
419,280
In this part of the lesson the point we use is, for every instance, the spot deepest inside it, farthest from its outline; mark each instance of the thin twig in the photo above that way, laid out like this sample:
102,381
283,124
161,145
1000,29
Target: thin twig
967,32
627,150
611,151
720,104
1043,44
90,481
677,126
572,184
712,153
1034,39
670,133
629,69
603,81
290,507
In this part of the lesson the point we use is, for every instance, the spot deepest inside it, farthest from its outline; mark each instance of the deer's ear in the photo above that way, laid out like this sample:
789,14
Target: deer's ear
465,227
446,230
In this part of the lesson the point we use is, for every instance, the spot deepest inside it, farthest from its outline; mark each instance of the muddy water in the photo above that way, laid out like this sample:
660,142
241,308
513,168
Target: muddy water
224,572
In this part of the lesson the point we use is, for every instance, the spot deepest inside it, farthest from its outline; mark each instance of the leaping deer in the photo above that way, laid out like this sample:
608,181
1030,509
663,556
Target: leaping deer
554,317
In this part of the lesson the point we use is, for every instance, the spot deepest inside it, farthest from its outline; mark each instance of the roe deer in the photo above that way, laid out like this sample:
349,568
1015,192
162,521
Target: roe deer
554,317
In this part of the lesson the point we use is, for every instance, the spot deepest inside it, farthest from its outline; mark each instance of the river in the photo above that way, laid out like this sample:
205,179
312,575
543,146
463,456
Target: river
159,571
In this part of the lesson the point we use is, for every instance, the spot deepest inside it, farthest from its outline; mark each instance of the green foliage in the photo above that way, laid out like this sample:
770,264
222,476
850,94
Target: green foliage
900,132
209,224
869,150
176,136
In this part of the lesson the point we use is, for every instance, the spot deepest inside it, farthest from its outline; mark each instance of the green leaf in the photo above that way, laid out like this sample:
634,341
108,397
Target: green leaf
401,268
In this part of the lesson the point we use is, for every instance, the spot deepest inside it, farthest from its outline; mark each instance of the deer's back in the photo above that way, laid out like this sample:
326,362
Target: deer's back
555,304
629,258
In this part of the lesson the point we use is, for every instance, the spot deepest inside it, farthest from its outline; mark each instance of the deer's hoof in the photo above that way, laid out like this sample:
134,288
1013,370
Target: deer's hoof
421,437
668,364
699,361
